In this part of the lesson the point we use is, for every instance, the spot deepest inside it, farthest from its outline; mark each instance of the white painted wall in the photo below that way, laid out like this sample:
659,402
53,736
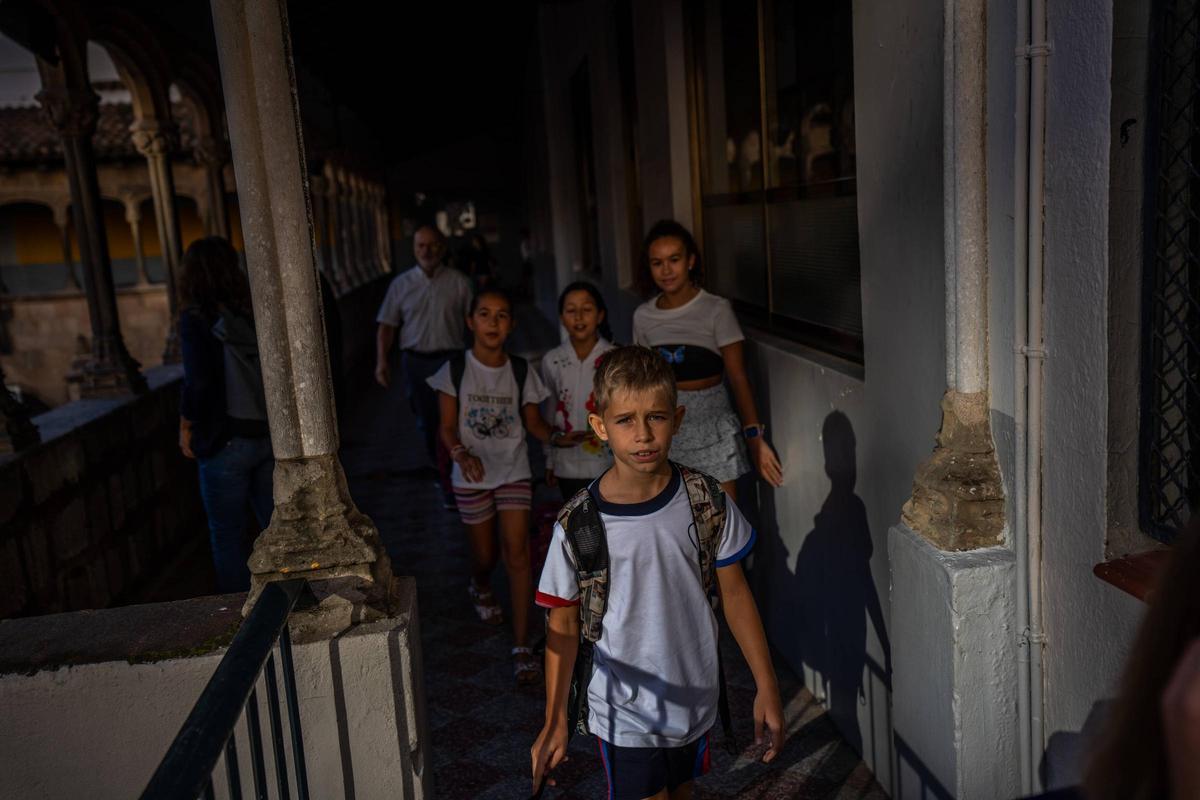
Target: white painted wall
100,730
823,552
1089,624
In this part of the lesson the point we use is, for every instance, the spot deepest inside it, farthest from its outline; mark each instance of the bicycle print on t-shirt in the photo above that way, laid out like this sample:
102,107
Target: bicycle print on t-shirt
490,416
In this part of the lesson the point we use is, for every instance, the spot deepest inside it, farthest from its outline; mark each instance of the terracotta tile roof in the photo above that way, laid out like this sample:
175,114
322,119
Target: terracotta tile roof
26,137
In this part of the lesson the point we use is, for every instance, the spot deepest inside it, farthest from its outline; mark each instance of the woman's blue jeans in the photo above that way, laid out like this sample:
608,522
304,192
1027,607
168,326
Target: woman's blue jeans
237,474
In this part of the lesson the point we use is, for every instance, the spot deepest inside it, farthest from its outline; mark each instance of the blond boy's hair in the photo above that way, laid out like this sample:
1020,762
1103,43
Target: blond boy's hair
632,369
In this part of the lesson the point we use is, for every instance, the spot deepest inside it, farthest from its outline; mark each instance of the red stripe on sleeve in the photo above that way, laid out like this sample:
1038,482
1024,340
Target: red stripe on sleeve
550,601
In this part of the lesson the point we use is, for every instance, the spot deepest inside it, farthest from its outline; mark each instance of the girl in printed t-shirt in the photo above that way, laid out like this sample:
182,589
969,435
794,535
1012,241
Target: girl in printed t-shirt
698,335
483,424
568,369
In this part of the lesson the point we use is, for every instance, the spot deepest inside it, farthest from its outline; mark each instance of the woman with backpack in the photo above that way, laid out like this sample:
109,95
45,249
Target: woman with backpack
223,415
488,400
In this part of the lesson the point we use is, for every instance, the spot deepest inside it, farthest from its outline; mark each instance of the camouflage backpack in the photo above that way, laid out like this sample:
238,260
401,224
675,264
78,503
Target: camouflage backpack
588,547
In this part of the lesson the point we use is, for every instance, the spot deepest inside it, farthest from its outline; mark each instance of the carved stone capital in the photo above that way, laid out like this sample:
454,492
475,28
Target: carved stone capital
958,495
152,138
72,112
317,533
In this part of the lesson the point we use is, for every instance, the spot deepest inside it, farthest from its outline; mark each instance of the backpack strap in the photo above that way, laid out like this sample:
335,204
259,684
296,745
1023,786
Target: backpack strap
520,368
709,508
458,365
707,499
587,545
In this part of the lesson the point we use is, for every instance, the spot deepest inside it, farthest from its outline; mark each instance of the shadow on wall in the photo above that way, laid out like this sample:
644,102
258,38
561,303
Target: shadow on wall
831,593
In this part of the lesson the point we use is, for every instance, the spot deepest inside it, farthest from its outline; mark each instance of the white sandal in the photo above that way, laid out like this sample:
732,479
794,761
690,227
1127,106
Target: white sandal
527,669
486,607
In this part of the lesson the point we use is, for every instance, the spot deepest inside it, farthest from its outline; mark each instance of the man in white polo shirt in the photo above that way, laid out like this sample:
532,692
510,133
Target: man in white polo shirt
429,303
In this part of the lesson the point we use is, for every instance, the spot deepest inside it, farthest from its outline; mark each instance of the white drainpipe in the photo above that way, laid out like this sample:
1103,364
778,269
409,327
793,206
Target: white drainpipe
1032,50
1020,296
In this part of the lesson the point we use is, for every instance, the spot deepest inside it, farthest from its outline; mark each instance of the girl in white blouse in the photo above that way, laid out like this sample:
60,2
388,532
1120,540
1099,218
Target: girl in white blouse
568,371
698,334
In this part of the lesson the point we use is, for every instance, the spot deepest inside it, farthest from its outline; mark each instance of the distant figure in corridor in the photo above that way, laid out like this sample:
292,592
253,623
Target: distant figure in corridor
698,335
428,303
223,411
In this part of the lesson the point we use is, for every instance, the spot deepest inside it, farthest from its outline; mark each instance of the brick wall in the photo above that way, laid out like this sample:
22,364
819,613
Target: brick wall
94,513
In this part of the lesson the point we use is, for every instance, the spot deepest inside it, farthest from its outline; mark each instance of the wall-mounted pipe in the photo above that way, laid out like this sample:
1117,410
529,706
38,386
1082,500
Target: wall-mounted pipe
1030,154
1020,309
1039,51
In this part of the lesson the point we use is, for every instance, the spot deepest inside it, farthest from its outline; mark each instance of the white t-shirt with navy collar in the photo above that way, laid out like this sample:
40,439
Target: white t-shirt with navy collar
654,682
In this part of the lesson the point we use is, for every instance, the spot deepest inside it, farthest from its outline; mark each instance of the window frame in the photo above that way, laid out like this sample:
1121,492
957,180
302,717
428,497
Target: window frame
824,339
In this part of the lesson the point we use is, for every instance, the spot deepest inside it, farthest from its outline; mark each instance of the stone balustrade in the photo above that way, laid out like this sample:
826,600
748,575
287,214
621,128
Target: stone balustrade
94,513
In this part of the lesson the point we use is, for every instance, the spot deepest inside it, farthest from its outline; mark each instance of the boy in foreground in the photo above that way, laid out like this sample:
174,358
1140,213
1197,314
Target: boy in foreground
652,695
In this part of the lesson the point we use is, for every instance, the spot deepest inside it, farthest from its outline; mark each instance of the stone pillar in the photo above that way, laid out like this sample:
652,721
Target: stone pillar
133,215
958,495
383,235
153,139
62,221
213,156
17,431
320,208
315,532
108,369
346,230
333,231
366,263
954,653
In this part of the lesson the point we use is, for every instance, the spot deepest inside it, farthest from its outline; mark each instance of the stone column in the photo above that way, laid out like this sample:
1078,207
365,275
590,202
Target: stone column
133,215
153,139
337,261
346,230
953,605
315,532
63,222
17,431
385,231
213,156
108,369
317,190
361,237
958,495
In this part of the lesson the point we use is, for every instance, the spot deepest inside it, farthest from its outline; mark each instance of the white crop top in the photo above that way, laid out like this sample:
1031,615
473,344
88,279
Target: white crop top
704,323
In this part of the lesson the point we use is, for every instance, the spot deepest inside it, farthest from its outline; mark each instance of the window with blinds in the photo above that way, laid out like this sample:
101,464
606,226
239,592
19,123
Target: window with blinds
774,95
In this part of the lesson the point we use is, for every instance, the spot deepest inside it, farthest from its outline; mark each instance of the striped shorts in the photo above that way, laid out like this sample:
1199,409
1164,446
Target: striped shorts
480,505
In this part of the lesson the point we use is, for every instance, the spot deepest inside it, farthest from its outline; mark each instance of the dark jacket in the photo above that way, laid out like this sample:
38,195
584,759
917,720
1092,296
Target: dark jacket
203,397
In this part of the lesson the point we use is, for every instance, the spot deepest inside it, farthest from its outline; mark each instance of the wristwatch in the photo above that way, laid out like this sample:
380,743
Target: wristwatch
755,430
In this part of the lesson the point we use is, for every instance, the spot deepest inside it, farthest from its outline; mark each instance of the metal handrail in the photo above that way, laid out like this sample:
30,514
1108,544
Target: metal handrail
186,769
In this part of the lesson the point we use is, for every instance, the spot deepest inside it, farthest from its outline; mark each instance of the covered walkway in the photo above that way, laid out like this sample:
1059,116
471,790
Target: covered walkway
481,723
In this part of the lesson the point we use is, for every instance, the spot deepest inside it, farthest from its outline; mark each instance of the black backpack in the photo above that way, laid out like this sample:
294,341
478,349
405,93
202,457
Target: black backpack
588,545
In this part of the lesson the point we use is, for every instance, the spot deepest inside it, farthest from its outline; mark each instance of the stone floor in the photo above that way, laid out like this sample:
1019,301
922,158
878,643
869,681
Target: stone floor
481,723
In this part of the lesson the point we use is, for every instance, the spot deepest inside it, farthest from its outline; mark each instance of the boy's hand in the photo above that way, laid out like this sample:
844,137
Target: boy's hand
768,713
550,479
549,750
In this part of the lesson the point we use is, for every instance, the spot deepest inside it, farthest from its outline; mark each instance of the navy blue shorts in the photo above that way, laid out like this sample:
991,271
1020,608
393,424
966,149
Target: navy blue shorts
638,772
